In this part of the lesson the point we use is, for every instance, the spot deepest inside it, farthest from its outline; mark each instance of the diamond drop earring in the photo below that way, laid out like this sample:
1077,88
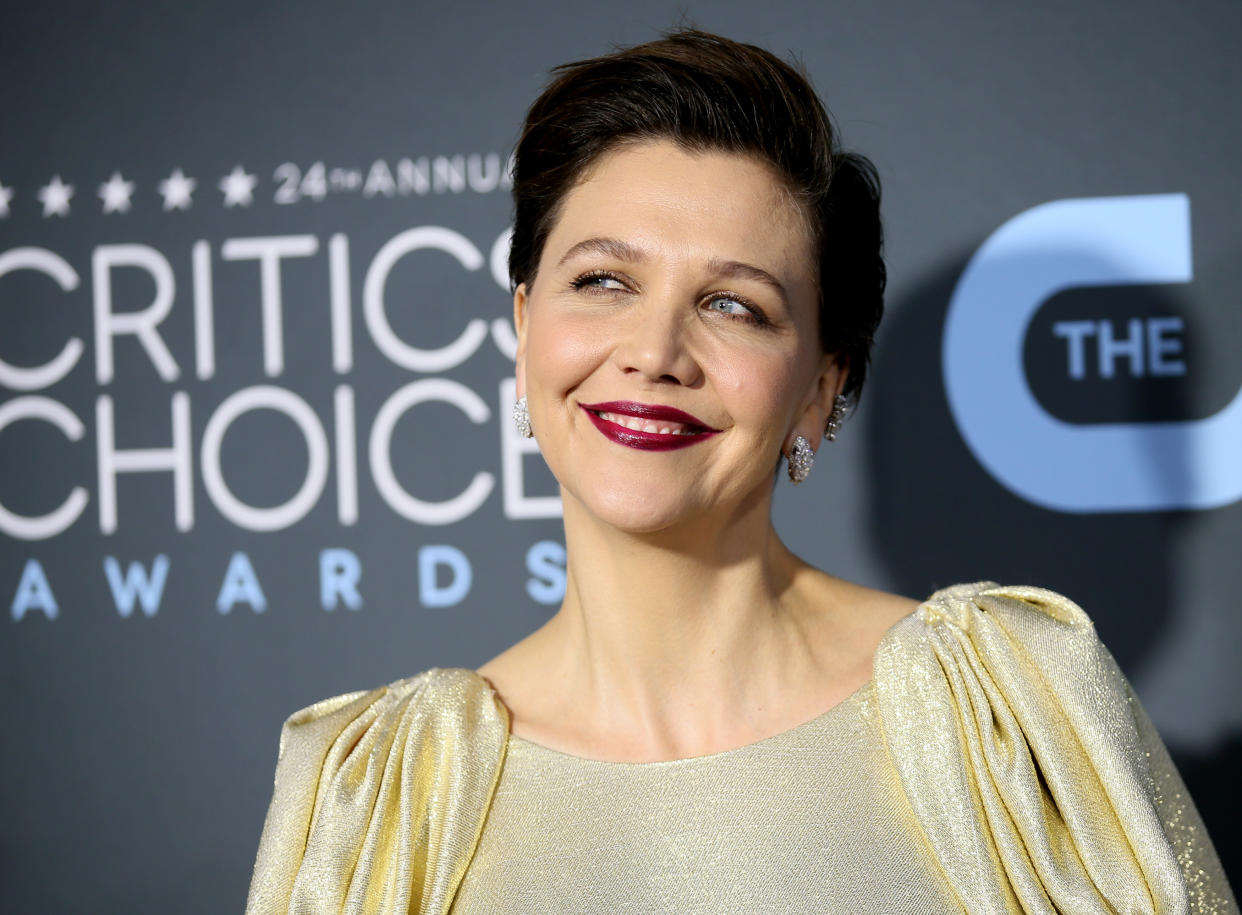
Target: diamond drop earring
521,418
800,459
840,404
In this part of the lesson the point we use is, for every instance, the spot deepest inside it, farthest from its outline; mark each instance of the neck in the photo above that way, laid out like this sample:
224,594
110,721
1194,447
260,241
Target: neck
674,637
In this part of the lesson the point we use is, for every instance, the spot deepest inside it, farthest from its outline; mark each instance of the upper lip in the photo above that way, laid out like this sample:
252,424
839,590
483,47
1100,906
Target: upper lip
648,411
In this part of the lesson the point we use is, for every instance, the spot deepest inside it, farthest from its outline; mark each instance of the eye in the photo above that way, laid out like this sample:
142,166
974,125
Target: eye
735,307
600,281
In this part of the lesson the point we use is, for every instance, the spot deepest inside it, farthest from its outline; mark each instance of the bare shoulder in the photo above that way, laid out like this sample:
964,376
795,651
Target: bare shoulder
849,621
869,608
508,665
524,676
885,607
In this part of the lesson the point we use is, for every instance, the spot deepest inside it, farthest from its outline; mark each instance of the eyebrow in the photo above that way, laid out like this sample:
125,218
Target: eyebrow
609,247
739,271
624,251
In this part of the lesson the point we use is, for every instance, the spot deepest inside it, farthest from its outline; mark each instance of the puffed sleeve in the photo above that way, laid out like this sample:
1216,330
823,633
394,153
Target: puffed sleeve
1206,884
1036,779
380,798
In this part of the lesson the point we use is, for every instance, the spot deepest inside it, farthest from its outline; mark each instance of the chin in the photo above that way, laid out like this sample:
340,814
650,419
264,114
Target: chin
638,510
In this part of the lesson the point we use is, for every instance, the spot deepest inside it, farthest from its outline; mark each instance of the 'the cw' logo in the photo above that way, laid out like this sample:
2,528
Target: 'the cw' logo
1104,467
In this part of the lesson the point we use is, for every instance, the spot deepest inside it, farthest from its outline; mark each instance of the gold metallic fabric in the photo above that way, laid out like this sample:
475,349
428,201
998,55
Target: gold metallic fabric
1029,765
812,820
380,798
997,762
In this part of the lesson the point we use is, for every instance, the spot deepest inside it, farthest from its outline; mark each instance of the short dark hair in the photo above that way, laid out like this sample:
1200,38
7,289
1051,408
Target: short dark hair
706,92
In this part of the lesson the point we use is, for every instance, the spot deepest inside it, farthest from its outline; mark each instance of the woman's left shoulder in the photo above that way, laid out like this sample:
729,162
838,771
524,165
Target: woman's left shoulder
1027,639
1017,648
1039,744
1034,616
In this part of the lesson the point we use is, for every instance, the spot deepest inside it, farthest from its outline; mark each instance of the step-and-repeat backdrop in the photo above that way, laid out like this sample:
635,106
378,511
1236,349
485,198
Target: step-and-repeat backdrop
256,370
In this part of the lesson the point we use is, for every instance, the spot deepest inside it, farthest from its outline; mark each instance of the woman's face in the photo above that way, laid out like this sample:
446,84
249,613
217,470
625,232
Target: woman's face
669,345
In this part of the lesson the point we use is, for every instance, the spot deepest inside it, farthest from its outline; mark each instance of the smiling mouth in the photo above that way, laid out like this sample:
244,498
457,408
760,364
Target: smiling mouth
638,424
647,427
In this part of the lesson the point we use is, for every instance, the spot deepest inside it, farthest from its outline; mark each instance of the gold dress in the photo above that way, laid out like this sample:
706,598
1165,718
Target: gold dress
811,820
997,762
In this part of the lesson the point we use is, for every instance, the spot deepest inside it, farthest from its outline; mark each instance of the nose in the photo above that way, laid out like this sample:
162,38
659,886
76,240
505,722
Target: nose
655,343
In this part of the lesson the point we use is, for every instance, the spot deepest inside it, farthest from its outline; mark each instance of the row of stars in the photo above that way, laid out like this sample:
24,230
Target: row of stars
116,193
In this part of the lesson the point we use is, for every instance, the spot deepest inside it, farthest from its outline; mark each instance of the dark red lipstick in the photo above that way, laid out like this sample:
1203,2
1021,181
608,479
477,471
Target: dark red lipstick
685,430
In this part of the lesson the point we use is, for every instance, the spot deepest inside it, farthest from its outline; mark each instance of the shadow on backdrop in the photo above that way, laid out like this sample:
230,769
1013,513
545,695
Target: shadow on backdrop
936,517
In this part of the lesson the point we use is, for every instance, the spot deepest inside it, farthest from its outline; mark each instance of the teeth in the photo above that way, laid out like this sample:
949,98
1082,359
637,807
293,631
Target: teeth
638,424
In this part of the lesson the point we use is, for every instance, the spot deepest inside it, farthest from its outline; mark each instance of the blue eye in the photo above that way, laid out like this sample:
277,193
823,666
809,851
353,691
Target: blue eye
604,282
727,305
735,308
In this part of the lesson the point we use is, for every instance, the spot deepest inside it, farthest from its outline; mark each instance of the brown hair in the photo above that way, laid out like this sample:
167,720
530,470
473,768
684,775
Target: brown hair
710,93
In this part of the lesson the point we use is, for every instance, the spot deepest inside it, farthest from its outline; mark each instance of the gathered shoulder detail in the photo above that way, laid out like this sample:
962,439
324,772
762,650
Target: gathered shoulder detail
1010,726
380,797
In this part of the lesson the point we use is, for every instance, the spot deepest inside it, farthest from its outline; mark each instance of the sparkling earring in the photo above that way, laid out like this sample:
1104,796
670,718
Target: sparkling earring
521,418
800,459
839,406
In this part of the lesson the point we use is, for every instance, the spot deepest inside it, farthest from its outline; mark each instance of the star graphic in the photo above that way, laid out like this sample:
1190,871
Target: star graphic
238,187
55,197
6,194
115,194
176,190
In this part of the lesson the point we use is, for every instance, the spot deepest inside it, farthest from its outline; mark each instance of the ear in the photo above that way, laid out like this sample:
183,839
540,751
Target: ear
520,302
829,381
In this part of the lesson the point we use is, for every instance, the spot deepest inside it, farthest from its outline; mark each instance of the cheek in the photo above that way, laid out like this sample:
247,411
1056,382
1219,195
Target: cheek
560,353
760,390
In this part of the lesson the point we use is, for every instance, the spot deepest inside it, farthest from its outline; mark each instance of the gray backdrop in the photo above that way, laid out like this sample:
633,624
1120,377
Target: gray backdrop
287,473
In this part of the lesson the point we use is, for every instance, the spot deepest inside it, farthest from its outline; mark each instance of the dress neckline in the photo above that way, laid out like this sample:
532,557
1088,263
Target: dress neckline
549,754
839,710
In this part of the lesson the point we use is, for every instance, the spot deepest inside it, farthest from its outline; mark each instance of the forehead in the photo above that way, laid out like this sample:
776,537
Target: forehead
687,204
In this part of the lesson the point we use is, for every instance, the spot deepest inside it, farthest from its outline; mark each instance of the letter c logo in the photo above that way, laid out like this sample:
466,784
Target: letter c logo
1105,467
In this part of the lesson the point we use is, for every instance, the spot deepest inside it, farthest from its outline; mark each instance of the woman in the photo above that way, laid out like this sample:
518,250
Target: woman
708,723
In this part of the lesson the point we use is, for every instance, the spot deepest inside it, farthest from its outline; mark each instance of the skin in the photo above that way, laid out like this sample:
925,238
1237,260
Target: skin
687,627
